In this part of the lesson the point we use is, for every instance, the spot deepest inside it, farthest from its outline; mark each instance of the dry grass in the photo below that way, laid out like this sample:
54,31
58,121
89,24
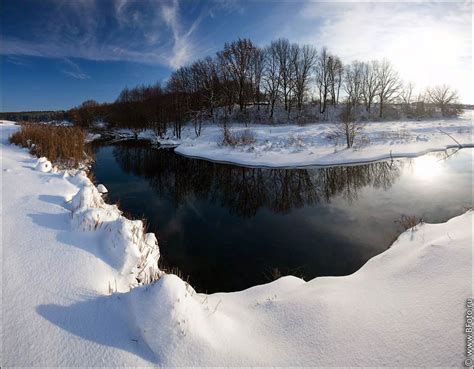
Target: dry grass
174,270
408,222
64,146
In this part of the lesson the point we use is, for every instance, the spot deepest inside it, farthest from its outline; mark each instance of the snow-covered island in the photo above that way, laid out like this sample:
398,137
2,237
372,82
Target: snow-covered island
77,273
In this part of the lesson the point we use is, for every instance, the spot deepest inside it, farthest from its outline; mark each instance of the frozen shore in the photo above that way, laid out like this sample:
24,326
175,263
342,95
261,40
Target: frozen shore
69,261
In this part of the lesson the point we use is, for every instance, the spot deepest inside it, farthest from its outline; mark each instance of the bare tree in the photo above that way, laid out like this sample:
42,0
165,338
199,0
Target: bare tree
335,78
236,60
303,64
406,96
323,78
85,114
291,76
256,72
442,97
353,81
389,84
205,74
271,75
283,52
370,85
227,89
181,88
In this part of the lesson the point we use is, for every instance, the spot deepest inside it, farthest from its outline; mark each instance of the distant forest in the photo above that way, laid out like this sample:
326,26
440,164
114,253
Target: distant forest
244,82
35,116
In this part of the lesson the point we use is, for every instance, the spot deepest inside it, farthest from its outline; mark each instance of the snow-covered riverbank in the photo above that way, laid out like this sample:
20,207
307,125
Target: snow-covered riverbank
61,244
294,145
60,260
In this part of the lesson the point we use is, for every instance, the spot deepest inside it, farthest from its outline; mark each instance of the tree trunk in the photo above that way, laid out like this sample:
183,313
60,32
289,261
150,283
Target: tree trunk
272,107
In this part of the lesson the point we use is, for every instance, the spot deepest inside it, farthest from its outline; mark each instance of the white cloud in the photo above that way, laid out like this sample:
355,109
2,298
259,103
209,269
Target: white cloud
120,14
64,49
16,60
76,75
428,43
74,70
183,47
76,30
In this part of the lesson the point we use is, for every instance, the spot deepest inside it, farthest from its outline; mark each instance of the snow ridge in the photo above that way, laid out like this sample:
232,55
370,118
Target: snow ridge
125,244
377,316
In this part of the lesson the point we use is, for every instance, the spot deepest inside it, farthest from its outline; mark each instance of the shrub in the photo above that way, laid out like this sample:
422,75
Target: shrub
408,222
64,146
348,127
245,137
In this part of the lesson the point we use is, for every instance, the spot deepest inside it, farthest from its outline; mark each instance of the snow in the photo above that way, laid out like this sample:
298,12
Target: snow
93,137
7,122
44,165
70,294
101,188
60,265
309,145
124,244
293,145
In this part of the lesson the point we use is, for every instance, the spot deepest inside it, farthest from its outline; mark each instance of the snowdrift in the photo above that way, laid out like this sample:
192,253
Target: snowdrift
44,165
131,251
404,307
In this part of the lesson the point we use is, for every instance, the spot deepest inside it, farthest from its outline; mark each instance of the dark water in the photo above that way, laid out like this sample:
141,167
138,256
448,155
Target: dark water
229,227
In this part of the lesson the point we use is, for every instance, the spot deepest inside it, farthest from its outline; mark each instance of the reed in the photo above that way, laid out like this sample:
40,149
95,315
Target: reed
64,146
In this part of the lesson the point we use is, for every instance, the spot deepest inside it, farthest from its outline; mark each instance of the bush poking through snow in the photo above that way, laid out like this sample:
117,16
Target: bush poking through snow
62,145
175,271
348,128
407,222
245,137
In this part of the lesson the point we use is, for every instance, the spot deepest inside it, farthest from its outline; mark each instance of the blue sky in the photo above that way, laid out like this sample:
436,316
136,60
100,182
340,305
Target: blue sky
56,54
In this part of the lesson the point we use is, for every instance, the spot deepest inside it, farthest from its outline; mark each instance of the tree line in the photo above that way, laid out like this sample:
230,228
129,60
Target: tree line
282,75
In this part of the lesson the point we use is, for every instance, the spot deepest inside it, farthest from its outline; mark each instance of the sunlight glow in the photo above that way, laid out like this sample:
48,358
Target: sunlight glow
428,43
426,167
425,55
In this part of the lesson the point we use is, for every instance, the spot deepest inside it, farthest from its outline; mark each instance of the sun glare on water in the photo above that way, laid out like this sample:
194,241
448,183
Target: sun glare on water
426,167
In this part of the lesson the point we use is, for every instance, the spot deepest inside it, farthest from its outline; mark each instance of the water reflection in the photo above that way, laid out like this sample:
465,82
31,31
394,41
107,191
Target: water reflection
246,190
230,228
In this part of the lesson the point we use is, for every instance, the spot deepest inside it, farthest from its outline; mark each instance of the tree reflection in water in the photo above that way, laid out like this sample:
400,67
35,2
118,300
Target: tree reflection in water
246,190
230,228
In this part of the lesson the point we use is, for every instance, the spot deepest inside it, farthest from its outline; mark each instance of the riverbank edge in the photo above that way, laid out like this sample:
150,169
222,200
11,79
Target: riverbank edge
296,150
134,251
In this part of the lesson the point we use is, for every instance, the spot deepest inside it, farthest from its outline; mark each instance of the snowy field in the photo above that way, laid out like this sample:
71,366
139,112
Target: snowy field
69,261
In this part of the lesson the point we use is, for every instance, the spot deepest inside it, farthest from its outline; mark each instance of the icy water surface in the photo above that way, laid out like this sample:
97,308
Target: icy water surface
227,228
